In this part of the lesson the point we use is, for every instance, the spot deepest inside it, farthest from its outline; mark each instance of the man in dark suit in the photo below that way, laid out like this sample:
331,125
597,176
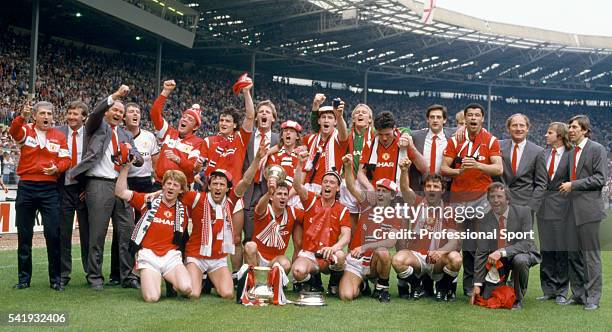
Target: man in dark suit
519,157
72,197
99,168
431,142
517,254
552,215
265,116
588,175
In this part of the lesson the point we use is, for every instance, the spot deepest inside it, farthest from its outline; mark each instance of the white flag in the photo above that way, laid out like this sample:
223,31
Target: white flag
428,9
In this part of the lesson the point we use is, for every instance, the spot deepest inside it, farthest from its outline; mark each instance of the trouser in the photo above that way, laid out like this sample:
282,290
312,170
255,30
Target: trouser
554,278
585,261
70,203
103,205
139,184
33,196
468,247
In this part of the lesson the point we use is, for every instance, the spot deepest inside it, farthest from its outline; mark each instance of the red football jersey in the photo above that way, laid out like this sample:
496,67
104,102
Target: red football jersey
186,148
160,234
226,153
369,231
195,204
387,159
340,149
472,181
272,236
322,225
433,221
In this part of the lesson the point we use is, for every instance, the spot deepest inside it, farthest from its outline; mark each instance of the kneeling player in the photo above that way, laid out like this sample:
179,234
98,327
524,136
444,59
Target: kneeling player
369,257
272,228
327,229
212,237
159,233
426,255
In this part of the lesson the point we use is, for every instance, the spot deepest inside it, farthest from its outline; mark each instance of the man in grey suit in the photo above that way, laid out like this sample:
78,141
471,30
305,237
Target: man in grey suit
265,116
72,197
519,157
431,142
99,169
517,254
552,215
588,175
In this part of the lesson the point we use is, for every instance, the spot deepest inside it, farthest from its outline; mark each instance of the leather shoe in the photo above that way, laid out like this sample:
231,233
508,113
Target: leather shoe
58,286
518,305
591,307
97,287
560,299
132,283
113,282
545,297
21,285
569,302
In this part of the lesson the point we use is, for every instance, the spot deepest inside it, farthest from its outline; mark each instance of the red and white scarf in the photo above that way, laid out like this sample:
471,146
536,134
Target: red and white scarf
330,151
271,234
223,213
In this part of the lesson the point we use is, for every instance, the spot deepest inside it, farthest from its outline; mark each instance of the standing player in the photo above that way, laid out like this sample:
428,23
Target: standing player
44,156
327,229
437,258
180,147
471,162
369,256
327,147
159,234
274,225
388,148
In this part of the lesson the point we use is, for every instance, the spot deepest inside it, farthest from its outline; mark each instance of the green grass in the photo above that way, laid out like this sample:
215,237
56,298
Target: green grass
119,309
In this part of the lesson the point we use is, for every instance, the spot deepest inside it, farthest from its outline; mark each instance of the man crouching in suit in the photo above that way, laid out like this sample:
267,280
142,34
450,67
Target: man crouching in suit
516,254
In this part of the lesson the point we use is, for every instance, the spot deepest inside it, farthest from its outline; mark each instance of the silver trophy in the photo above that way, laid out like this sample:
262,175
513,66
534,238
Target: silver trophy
313,299
261,291
275,171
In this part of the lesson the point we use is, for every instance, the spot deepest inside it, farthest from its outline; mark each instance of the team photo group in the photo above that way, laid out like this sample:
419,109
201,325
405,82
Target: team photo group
359,198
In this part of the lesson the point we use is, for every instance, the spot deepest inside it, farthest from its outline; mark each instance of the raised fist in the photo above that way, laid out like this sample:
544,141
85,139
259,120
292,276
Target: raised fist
405,141
121,92
319,99
169,86
26,111
347,159
405,163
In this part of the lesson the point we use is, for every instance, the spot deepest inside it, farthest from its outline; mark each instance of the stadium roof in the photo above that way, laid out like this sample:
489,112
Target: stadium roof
342,40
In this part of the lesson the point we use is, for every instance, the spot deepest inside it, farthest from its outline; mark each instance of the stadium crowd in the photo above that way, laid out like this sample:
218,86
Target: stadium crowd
308,164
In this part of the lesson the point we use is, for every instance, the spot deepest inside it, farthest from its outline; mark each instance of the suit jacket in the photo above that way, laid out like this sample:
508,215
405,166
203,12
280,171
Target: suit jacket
591,176
250,196
553,205
528,177
98,138
64,129
418,137
519,220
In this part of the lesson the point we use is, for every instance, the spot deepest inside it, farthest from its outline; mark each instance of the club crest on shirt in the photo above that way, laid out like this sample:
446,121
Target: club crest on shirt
386,156
167,214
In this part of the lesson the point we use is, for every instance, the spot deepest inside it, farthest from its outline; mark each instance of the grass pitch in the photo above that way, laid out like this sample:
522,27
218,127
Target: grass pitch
119,309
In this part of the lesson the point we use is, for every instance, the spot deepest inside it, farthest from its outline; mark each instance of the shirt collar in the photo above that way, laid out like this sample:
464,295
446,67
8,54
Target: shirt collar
267,133
505,214
521,145
430,134
583,143
79,131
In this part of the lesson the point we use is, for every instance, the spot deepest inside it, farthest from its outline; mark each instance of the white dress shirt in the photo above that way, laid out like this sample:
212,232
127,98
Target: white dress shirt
79,141
519,152
560,151
440,146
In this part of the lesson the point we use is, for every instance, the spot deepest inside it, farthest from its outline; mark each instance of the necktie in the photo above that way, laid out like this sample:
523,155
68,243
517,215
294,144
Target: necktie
115,148
74,155
551,167
576,150
432,157
514,158
501,243
259,173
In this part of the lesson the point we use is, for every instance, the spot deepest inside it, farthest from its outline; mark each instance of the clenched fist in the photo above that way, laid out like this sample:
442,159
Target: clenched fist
121,92
319,99
169,86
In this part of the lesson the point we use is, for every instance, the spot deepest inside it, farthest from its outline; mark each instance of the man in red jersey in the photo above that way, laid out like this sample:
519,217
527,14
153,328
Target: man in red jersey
327,229
381,159
158,234
180,147
274,225
44,156
212,237
428,254
369,256
326,147
471,162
